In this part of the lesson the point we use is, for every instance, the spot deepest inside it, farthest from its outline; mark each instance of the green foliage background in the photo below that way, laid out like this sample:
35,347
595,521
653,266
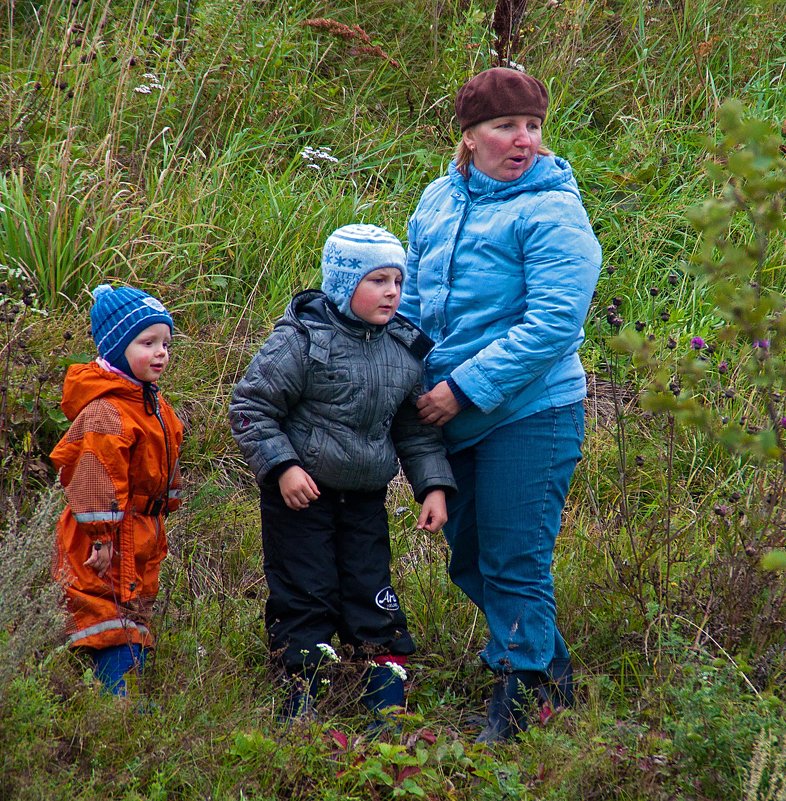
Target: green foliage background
203,150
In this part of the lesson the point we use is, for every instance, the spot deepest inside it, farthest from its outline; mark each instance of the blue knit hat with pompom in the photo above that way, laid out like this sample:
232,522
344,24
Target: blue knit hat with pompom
118,315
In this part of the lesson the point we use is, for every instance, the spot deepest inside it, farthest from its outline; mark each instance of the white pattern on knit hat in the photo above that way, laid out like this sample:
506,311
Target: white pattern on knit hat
118,315
351,253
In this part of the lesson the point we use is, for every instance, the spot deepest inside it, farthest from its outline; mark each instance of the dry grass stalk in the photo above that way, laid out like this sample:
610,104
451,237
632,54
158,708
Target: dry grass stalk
351,34
507,27
32,614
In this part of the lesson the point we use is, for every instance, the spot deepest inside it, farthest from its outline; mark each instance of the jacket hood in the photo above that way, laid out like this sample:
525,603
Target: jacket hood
547,174
311,310
86,382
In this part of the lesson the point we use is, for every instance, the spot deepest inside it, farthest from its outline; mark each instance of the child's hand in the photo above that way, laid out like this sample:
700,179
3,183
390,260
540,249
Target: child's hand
100,557
297,487
434,512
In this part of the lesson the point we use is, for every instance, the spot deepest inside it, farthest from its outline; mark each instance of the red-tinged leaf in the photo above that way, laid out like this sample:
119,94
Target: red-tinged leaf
406,772
428,736
546,713
339,738
541,773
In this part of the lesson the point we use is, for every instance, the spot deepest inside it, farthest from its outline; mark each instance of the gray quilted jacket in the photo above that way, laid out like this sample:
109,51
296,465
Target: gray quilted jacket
337,397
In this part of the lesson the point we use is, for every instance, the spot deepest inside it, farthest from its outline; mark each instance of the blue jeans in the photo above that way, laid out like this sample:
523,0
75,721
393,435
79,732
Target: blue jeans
114,662
502,526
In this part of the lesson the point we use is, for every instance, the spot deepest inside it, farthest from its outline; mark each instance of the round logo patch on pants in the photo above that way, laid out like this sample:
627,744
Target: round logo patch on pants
387,599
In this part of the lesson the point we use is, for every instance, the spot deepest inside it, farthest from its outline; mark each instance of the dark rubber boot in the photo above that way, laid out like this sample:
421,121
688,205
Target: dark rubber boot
556,689
384,689
508,709
299,702
384,697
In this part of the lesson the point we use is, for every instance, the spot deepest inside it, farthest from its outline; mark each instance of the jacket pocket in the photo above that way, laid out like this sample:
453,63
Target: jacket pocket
333,384
312,451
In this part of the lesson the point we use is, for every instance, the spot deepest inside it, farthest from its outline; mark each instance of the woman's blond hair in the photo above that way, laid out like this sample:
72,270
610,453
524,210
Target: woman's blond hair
463,156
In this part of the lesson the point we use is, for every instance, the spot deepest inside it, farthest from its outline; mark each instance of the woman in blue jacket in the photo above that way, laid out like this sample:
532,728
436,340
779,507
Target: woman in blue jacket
501,269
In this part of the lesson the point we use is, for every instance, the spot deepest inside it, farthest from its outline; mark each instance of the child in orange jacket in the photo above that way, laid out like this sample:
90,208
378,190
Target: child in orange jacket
118,464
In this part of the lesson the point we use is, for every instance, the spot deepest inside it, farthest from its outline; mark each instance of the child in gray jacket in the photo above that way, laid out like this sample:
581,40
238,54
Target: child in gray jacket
324,415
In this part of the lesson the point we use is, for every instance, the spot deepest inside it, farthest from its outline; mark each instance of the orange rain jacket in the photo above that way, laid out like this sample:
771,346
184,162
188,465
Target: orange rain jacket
119,466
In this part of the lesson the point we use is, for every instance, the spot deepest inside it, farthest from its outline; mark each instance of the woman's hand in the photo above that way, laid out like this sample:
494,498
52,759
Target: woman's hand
438,406
434,512
100,557
297,487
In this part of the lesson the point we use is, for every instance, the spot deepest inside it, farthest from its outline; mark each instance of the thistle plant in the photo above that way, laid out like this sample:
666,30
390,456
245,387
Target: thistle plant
726,382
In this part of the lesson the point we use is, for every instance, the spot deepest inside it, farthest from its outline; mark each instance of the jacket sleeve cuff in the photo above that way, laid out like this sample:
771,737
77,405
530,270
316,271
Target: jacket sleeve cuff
463,401
479,389
446,488
275,473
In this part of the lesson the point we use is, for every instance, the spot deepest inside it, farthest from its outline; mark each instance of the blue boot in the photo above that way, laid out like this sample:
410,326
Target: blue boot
384,689
384,696
299,701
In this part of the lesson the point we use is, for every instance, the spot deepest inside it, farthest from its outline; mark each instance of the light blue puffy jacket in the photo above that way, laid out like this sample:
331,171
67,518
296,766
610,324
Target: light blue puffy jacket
500,274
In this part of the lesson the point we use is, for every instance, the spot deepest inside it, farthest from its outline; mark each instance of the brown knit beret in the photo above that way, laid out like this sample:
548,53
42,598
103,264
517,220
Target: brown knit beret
499,92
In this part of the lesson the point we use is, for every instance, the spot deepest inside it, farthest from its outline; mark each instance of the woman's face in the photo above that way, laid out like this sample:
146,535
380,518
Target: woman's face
504,148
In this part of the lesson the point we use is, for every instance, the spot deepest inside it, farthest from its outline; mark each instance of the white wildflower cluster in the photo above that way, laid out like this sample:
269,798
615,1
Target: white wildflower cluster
152,83
328,652
397,670
512,64
314,155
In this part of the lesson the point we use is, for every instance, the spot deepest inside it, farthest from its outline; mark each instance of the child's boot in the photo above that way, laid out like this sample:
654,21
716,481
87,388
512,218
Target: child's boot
384,696
301,693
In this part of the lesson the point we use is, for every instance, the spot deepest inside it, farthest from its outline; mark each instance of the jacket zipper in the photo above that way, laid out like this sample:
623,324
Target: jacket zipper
168,478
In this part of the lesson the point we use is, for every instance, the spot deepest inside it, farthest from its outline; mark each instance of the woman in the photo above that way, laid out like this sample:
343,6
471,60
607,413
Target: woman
501,269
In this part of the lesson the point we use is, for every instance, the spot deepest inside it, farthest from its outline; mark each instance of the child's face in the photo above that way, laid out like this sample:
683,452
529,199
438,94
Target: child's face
377,296
148,353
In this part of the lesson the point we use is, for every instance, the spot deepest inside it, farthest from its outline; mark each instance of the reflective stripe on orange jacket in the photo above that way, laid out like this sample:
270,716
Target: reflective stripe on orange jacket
119,467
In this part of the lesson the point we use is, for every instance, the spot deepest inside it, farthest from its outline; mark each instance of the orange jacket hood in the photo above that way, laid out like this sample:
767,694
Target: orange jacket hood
85,383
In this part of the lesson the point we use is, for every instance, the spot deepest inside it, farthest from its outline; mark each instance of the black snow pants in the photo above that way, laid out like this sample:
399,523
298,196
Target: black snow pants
328,572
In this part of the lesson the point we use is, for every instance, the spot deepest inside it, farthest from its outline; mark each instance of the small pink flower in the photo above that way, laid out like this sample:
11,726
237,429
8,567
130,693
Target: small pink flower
697,343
